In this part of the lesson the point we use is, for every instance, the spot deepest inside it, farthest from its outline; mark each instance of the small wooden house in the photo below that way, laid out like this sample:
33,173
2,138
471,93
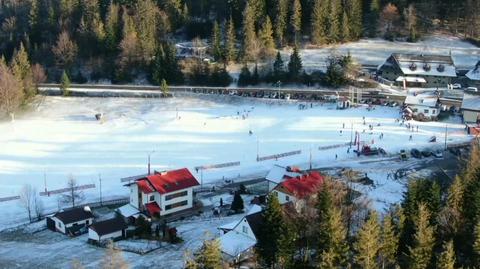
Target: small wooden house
72,221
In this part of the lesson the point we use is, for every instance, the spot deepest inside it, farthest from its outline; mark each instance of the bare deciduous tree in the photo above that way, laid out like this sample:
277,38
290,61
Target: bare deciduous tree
73,196
28,199
65,50
113,259
11,93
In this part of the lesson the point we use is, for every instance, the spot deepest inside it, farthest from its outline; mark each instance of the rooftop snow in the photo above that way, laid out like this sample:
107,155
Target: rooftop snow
234,243
471,102
422,100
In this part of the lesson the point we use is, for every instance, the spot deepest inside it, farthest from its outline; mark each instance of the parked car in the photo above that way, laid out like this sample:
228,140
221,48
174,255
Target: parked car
416,153
393,104
437,154
403,155
456,86
472,89
426,153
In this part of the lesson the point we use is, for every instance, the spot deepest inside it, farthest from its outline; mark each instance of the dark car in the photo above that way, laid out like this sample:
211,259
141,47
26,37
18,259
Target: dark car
416,153
426,153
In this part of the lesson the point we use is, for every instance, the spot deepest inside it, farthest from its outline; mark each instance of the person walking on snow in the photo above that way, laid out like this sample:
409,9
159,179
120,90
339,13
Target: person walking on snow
410,137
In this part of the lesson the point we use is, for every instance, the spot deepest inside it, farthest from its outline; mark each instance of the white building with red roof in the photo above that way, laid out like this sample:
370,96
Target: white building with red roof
163,193
296,189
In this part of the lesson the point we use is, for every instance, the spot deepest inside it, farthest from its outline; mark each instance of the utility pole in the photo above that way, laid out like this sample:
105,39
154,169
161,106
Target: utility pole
351,134
446,134
258,146
100,179
45,182
310,158
150,153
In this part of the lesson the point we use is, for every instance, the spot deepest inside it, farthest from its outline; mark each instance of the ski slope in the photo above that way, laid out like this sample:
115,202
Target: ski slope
60,136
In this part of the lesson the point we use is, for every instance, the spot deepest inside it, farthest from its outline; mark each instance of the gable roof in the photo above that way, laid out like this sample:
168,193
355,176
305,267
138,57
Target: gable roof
255,221
73,215
474,74
424,65
302,186
278,173
145,186
170,181
422,100
471,102
108,226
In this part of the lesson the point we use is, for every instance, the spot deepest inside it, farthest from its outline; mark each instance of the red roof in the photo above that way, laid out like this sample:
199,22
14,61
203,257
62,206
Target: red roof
303,185
152,208
145,187
171,181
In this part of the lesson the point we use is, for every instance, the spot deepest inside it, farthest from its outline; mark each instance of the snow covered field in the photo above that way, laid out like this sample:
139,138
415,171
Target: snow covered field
376,51
61,137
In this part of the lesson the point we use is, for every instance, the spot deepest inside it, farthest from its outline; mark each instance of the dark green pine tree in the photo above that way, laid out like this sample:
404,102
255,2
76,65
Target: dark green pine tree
296,20
324,208
255,76
237,204
320,22
346,27
373,18
245,77
165,66
230,42
295,65
278,68
286,245
335,18
112,29
271,232
217,50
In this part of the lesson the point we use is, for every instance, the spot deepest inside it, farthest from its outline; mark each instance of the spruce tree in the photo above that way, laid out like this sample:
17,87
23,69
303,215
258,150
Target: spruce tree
266,37
373,17
324,208
421,252
476,246
281,21
320,22
217,42
295,65
210,256
286,245
255,76
346,34
245,77
237,204
230,42
389,247
278,68
335,19
368,244
250,43
447,257
338,238
65,84
271,232
22,70
296,19
112,29
356,19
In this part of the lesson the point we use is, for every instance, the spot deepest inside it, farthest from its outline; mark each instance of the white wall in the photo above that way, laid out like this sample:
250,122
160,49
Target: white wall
432,112
282,197
470,116
61,227
94,236
134,195
163,203
240,228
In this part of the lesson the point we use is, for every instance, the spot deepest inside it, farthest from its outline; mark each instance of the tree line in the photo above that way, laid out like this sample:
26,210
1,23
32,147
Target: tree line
437,225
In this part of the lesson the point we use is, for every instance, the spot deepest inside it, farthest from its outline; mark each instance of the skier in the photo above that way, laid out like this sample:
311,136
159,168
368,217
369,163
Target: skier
410,137
336,156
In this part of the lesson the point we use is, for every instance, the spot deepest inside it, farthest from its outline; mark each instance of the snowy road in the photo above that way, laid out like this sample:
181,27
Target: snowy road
61,137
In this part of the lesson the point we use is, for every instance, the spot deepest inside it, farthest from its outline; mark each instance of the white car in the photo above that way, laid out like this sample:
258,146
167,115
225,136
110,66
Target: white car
456,86
473,89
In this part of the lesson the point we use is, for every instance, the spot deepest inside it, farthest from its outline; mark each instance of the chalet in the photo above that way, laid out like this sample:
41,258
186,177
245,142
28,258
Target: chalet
471,108
163,193
278,174
72,221
111,229
418,70
242,237
295,189
473,75
423,106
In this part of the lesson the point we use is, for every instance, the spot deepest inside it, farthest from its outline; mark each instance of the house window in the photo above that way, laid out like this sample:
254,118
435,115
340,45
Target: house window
152,198
433,111
176,195
245,229
86,222
179,204
287,198
425,111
